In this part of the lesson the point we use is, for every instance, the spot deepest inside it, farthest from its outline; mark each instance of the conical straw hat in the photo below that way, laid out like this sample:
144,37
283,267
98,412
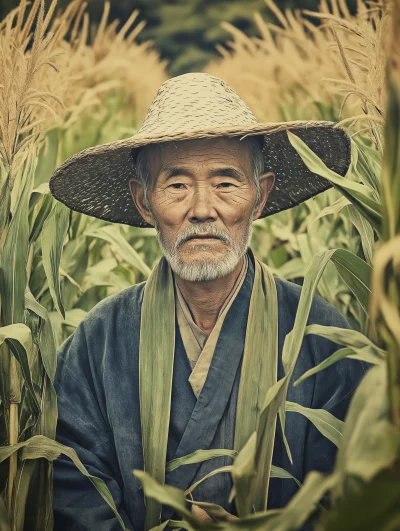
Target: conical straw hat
95,181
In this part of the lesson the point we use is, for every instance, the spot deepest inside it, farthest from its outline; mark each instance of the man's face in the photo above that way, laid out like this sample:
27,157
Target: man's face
202,201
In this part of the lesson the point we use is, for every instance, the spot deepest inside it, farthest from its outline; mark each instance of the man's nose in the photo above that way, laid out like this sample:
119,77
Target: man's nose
202,208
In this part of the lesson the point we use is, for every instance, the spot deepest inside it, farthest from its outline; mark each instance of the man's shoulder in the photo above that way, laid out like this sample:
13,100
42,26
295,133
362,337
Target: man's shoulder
124,305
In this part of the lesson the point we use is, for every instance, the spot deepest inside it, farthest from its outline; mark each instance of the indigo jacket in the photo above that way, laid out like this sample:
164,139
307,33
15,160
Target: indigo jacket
99,416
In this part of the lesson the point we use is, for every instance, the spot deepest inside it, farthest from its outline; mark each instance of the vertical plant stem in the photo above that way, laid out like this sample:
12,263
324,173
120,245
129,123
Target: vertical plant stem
15,399
394,383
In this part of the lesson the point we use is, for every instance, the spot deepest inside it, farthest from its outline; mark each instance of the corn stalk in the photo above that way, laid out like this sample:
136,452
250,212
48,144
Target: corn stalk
44,104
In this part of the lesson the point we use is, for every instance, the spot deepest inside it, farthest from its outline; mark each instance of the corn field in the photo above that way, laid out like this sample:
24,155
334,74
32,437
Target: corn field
64,86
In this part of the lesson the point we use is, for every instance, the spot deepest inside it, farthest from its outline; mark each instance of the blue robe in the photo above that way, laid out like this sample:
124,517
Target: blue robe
98,400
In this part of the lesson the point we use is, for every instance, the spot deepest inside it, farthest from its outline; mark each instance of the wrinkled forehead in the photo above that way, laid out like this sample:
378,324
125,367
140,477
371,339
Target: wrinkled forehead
205,152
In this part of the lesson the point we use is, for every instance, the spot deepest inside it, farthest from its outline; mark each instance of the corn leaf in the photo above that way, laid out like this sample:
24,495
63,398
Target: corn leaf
303,503
356,273
261,337
19,340
198,457
365,170
156,358
46,336
53,234
48,356
38,447
276,472
365,231
114,236
370,442
4,519
5,203
362,354
74,317
335,208
325,422
14,255
242,475
359,195
391,163
41,216
347,337
221,470
164,494
22,484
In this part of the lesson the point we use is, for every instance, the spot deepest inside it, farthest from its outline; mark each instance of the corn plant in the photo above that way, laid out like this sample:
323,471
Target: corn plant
49,87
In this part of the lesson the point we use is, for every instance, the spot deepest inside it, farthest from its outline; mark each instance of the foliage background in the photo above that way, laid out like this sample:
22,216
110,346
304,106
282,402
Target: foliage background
185,31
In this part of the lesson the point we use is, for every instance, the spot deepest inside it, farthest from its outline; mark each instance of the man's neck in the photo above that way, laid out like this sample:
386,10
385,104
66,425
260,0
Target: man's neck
205,299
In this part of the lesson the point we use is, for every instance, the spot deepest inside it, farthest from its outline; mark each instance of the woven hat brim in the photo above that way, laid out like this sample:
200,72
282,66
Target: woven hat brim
95,180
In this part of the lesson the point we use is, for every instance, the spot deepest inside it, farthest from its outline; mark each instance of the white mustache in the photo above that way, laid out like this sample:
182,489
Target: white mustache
199,230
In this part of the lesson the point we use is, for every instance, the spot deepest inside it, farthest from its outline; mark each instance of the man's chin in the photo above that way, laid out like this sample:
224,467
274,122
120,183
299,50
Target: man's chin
204,267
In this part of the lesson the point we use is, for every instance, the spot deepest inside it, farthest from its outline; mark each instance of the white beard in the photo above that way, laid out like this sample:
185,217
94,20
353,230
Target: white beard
212,269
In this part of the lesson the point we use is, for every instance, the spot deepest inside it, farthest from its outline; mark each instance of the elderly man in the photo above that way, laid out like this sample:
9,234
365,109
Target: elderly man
200,170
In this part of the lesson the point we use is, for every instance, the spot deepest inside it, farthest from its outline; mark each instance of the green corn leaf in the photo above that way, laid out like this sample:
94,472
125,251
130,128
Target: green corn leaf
17,332
48,356
19,340
114,236
164,494
303,503
364,168
261,337
41,216
342,353
74,317
5,202
46,336
391,161
156,358
242,475
47,160
294,339
199,456
22,356
291,269
276,472
22,483
335,208
370,441
325,422
356,273
40,447
53,234
365,231
221,470
4,519
14,254
347,337
359,195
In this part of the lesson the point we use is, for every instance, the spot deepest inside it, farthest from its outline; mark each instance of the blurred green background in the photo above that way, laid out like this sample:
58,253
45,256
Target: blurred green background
185,32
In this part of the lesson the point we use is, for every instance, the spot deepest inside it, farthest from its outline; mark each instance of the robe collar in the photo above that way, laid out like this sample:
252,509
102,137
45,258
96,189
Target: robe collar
198,346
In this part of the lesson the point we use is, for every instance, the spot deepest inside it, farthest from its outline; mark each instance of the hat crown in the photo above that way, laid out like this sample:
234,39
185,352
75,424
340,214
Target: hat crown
194,102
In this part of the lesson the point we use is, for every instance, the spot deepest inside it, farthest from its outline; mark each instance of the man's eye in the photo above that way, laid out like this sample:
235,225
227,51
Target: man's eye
225,185
177,186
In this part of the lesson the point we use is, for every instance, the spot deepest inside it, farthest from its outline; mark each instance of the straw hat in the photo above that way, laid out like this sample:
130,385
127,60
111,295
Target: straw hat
95,181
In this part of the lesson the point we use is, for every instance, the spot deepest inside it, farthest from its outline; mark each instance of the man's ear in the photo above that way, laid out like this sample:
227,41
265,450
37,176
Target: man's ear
137,193
267,182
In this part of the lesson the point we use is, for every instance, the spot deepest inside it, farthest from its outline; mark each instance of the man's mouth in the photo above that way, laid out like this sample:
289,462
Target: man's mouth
203,237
